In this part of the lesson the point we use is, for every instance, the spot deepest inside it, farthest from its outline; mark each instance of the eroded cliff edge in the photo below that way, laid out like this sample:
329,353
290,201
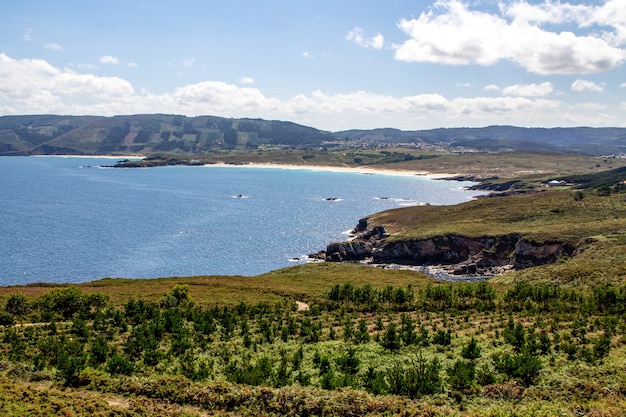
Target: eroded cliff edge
459,255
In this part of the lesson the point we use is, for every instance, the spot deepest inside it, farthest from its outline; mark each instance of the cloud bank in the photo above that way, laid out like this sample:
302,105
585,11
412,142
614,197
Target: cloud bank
33,86
451,33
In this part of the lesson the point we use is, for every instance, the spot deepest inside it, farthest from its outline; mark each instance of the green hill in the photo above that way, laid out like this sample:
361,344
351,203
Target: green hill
161,133
144,134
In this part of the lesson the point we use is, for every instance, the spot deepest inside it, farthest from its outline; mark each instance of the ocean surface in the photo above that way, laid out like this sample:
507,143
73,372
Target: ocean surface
66,219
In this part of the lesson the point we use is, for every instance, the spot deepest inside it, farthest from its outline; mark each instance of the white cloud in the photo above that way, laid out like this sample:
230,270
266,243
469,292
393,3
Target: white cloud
34,86
529,90
308,55
585,85
188,62
459,84
53,46
491,87
356,35
623,85
592,106
108,59
246,80
451,33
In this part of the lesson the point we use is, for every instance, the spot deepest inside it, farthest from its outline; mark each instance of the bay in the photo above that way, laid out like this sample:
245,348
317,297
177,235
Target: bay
64,219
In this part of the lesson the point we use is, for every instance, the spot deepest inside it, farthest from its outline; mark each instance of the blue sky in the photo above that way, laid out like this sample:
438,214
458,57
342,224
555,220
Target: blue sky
333,65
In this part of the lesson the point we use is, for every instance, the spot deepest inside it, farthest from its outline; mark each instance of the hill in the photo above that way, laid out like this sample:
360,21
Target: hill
585,140
145,134
575,232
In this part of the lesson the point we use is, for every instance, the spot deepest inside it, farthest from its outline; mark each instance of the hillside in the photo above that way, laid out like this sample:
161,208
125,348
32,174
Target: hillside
585,140
160,133
144,134
576,235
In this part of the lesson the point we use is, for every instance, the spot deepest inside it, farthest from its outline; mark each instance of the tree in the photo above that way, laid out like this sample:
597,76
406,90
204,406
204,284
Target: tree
461,375
421,378
17,305
391,340
120,365
63,301
177,297
471,351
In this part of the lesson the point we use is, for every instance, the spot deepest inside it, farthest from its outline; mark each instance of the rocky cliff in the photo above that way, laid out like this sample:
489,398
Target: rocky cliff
458,254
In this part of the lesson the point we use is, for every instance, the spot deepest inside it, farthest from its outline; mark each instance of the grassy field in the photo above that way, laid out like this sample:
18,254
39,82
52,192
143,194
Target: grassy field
304,283
372,342
345,339
551,215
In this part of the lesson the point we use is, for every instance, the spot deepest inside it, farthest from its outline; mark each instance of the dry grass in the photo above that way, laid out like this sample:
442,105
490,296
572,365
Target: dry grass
302,283
549,215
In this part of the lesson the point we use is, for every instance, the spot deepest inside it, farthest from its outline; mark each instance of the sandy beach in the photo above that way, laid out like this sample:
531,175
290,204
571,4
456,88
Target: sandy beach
119,157
328,168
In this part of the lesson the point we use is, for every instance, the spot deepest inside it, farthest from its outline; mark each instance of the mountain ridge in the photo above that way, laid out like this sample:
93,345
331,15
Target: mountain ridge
145,134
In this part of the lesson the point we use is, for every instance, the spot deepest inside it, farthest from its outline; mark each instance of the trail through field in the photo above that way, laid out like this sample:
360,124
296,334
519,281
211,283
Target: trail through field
302,306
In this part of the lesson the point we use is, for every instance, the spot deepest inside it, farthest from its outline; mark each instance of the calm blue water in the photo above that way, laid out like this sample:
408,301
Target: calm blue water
64,222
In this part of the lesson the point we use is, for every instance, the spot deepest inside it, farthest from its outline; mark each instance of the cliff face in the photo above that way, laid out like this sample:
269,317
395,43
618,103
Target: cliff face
460,255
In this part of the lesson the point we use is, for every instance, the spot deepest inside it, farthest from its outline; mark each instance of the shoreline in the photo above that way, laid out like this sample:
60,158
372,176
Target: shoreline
365,170
330,168
121,157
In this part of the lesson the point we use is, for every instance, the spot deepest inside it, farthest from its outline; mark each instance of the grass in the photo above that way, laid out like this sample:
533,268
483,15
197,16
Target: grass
582,358
549,215
594,225
567,384
305,283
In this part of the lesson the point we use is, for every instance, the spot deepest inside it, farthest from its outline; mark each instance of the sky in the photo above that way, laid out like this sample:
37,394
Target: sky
334,65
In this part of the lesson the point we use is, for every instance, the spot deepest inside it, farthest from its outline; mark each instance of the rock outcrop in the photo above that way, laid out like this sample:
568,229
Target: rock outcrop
458,254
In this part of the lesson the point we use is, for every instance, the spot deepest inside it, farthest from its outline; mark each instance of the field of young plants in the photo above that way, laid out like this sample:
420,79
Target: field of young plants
359,349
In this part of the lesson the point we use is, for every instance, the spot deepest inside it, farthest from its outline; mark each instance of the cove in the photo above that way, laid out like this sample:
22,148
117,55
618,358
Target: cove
66,220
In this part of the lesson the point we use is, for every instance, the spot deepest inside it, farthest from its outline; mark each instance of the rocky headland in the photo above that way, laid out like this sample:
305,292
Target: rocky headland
446,256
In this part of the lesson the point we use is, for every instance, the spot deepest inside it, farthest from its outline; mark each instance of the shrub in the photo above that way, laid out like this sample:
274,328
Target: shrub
523,366
471,351
421,378
461,375
17,305
442,338
120,365
391,340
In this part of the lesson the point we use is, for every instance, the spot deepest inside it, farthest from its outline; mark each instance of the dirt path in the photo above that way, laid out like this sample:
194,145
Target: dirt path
302,306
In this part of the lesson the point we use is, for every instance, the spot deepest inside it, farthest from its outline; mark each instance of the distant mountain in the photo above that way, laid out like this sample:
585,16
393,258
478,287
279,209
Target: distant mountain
586,140
152,133
147,133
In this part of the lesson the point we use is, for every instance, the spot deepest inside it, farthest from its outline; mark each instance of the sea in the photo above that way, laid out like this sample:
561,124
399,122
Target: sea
72,219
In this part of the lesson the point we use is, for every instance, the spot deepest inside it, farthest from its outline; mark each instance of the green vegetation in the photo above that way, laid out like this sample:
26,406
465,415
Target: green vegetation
543,341
549,215
363,347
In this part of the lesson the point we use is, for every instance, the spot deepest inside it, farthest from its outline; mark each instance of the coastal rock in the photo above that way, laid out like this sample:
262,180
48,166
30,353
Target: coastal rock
460,254
528,254
348,251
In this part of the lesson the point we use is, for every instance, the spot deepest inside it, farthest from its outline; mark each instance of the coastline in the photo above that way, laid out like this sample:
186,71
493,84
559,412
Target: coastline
365,170
121,157
330,168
